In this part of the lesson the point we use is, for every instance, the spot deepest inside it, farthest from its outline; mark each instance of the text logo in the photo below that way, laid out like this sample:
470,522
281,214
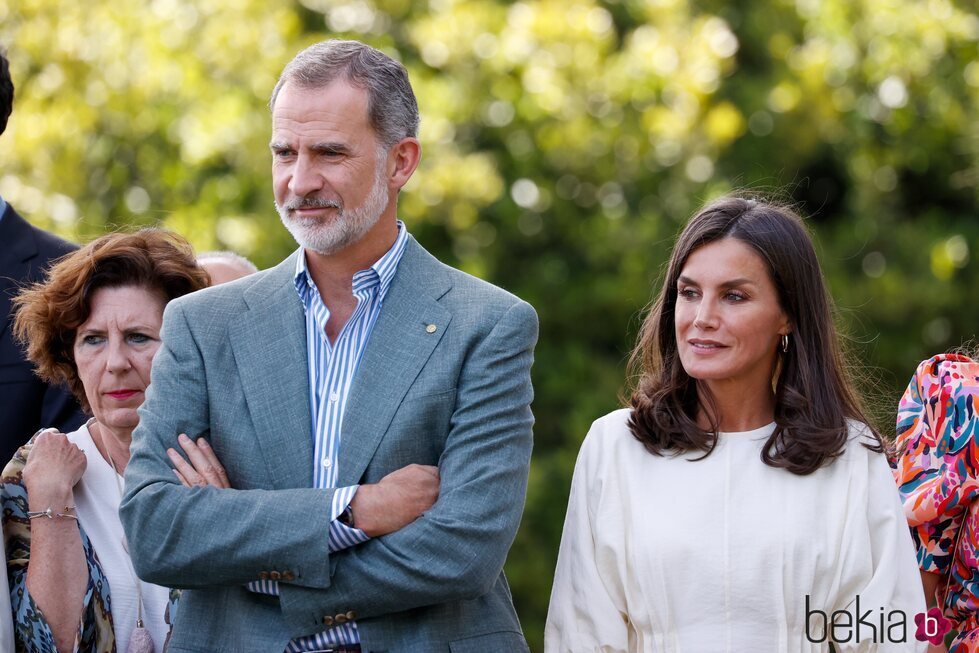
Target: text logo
932,626
841,626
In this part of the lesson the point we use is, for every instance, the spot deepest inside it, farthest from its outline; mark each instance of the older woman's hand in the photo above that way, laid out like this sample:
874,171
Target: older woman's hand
204,467
53,468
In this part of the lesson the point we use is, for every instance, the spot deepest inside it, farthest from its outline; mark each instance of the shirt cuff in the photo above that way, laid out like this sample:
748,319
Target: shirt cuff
341,535
269,587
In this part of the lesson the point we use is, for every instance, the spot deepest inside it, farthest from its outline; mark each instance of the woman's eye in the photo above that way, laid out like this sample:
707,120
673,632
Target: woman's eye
735,297
138,338
93,340
688,293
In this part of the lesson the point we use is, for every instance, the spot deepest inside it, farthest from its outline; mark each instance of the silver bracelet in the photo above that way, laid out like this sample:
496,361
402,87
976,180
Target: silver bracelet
51,514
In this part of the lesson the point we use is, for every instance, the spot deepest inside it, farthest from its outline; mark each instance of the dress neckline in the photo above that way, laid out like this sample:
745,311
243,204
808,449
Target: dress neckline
765,430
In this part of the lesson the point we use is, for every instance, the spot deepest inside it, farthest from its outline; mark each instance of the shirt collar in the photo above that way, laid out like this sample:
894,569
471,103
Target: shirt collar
381,273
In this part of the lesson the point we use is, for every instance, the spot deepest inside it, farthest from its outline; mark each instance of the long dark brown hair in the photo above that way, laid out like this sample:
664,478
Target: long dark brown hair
814,396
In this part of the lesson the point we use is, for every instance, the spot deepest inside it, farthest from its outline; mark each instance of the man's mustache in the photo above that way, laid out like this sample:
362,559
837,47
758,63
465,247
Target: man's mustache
313,203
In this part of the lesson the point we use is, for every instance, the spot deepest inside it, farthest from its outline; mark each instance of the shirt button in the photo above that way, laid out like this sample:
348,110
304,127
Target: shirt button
327,463
334,396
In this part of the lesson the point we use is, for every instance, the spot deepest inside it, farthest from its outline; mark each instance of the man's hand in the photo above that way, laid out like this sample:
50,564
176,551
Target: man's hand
204,467
396,500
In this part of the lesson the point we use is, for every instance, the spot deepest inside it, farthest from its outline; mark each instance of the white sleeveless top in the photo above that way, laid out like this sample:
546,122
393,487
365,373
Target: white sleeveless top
97,505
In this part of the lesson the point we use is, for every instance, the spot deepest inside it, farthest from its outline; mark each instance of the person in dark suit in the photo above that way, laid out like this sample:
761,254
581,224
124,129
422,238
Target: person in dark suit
26,402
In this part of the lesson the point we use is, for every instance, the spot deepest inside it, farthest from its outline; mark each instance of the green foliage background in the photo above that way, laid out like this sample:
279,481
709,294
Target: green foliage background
565,142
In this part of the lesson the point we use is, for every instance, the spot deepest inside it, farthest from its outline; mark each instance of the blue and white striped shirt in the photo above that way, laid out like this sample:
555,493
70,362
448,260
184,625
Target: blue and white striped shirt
332,369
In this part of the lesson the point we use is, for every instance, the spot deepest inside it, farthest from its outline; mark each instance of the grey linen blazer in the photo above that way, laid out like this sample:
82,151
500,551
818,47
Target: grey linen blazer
233,368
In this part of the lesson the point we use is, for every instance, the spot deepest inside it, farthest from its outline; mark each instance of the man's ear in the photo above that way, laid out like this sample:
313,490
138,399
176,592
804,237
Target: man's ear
403,158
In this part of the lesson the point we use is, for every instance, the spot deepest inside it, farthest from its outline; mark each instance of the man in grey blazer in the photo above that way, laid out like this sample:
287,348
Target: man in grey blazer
370,405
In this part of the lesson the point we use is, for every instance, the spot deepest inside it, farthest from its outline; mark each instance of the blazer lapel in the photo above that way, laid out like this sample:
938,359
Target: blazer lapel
269,344
400,344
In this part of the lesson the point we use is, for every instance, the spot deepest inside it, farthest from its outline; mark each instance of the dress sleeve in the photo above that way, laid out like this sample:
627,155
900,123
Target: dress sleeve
937,435
587,611
893,582
31,630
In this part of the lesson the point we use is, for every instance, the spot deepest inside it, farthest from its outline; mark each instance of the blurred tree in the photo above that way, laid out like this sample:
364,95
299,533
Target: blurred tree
565,142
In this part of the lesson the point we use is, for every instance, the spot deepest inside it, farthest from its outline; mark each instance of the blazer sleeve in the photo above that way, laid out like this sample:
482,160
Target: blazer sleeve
205,536
456,550
588,609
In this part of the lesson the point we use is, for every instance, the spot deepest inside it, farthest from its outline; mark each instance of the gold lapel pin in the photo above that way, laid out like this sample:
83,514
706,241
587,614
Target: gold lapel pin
431,328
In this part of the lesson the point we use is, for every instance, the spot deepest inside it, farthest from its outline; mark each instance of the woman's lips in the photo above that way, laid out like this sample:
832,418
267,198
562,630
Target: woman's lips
122,394
705,347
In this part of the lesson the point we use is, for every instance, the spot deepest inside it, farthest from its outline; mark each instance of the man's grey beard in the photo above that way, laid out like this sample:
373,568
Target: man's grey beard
330,235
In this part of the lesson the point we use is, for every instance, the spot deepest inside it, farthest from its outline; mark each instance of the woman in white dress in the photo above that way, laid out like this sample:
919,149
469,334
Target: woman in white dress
95,326
741,503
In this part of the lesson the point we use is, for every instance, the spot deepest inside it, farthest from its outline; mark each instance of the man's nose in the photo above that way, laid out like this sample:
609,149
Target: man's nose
306,178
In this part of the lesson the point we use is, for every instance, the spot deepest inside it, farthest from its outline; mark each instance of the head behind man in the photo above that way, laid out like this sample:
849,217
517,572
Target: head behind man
224,266
344,125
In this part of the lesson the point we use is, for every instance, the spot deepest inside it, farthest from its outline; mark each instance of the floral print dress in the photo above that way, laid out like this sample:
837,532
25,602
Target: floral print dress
936,471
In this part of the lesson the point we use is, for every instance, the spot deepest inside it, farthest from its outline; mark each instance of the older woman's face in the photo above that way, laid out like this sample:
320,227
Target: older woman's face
728,318
114,351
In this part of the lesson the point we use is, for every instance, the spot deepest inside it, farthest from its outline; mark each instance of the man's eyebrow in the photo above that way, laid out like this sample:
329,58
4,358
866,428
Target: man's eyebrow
318,148
330,148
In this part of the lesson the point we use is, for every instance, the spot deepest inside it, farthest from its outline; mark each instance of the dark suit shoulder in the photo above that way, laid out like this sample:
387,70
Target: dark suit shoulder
28,249
50,246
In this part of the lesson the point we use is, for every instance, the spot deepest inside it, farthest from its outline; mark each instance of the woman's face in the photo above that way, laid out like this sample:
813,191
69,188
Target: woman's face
728,318
114,351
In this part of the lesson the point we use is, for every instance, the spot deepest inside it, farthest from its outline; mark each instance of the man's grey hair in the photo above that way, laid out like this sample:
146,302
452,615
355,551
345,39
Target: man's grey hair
391,105
228,257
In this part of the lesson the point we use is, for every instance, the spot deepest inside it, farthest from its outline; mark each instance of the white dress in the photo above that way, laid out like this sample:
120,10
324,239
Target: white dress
97,506
727,554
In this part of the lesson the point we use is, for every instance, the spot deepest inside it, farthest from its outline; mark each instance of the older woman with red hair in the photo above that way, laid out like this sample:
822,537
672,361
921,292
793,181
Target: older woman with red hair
95,327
